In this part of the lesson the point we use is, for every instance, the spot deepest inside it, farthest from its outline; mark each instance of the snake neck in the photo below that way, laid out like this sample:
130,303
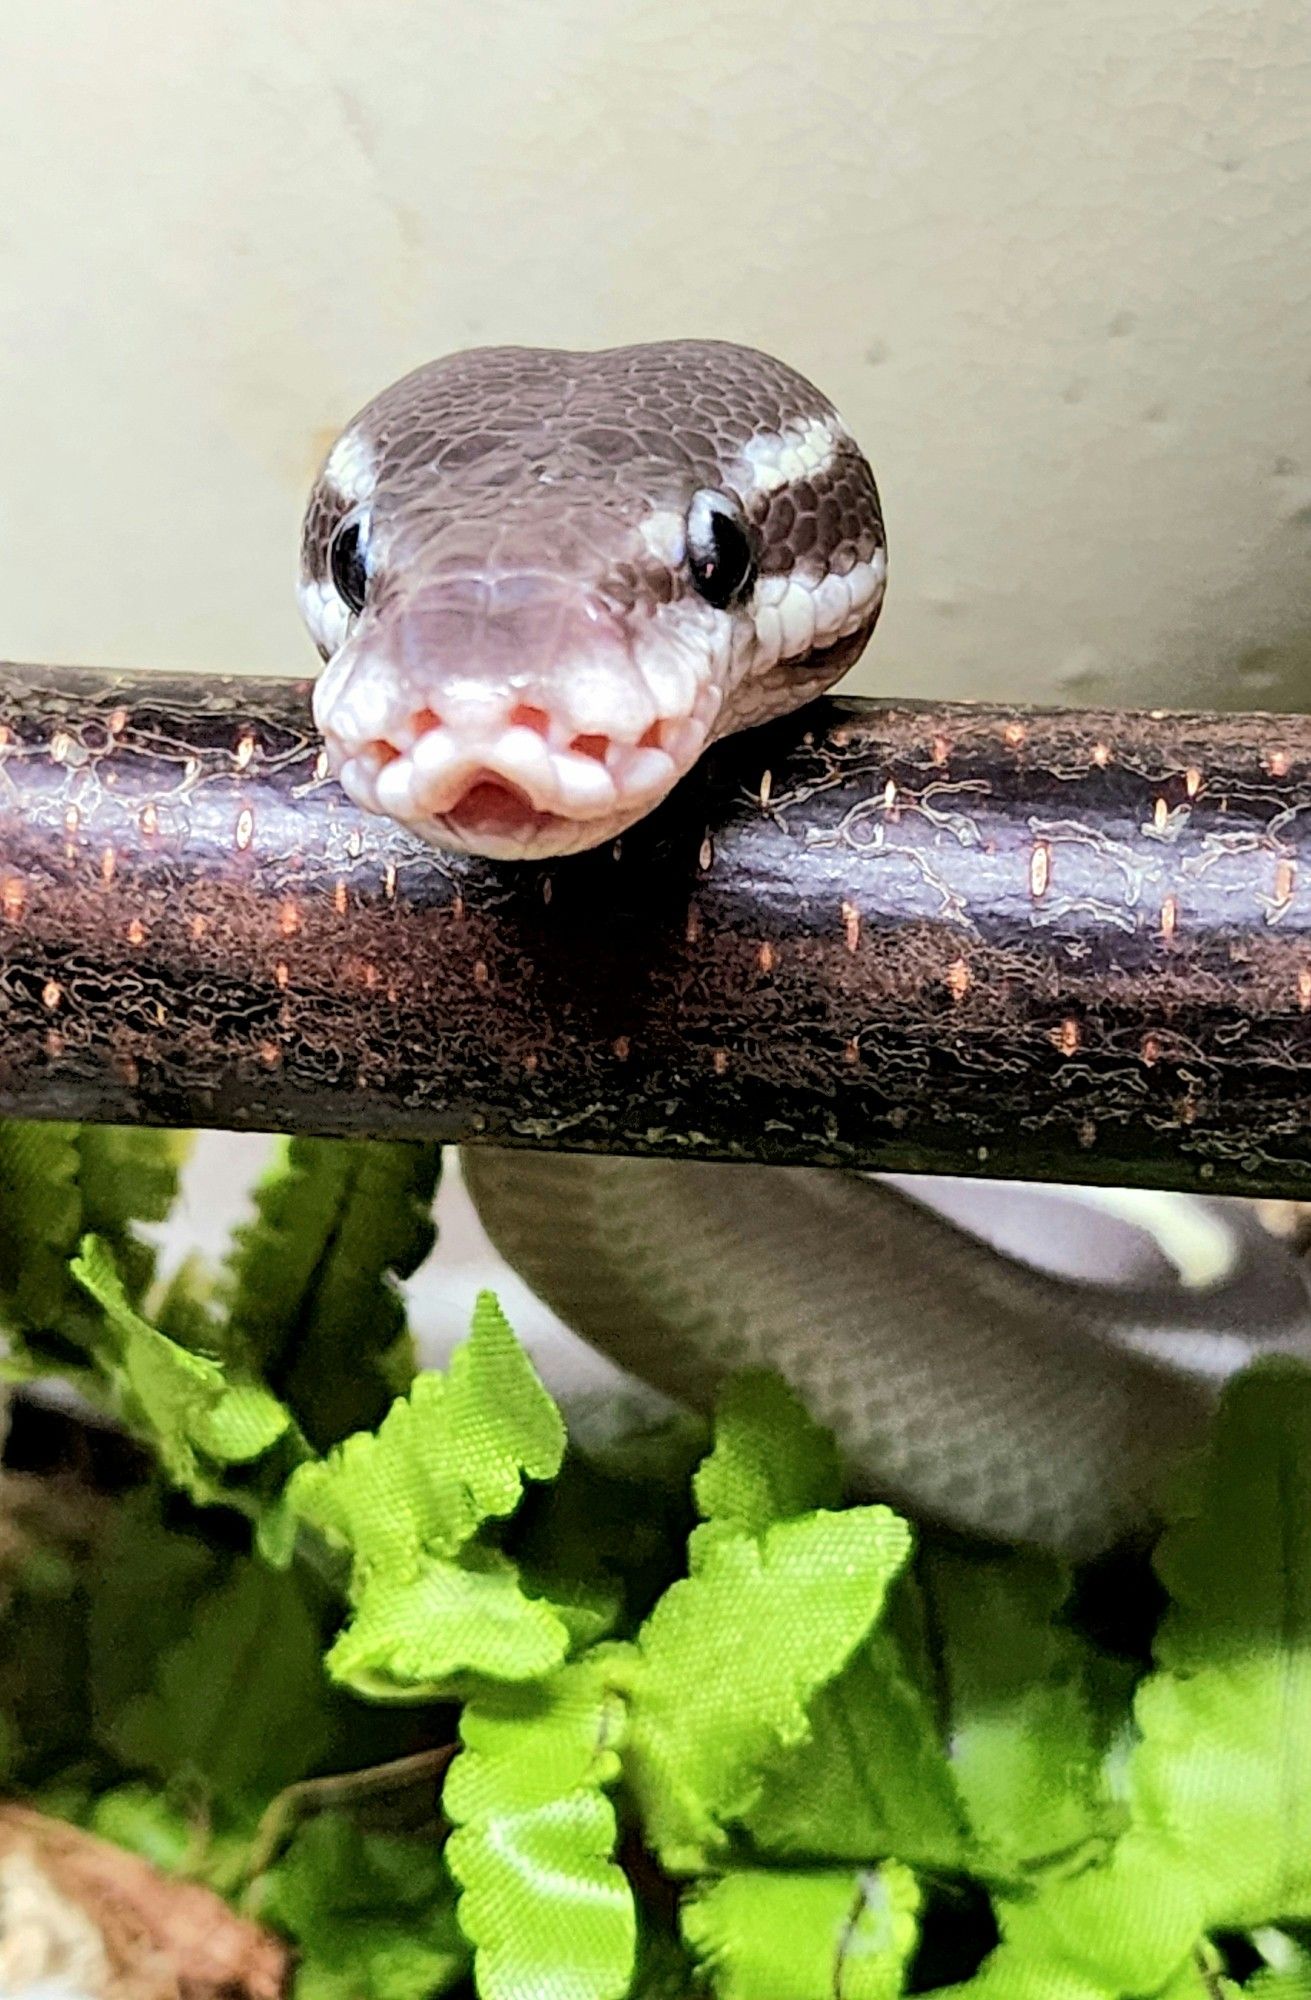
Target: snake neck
961,1384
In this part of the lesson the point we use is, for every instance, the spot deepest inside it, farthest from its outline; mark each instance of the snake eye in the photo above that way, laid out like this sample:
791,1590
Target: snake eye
348,562
720,554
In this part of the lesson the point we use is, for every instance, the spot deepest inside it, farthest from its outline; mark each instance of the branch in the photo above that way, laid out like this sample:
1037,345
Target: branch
953,939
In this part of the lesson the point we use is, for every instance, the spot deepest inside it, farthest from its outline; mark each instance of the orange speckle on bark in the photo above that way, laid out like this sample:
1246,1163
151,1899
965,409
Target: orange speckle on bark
1068,1036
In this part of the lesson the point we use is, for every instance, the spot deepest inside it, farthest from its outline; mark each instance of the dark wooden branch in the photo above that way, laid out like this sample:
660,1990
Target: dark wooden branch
954,939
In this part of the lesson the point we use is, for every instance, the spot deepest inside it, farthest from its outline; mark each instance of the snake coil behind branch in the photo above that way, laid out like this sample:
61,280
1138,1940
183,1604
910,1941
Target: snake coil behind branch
542,582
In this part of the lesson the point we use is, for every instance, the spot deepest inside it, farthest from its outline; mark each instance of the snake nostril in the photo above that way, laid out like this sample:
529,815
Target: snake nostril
591,746
382,751
650,738
525,716
424,720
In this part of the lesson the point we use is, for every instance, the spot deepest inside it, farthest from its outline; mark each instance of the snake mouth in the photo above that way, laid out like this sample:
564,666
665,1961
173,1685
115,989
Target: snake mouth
517,783
494,812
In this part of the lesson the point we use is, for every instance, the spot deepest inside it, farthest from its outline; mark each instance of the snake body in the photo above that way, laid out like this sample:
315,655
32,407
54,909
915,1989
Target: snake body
542,582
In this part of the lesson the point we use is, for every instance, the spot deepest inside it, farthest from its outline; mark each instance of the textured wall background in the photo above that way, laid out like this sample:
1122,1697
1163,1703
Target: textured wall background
1054,262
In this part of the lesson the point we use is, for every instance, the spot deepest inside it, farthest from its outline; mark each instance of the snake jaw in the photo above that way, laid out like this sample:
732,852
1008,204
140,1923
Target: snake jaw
492,775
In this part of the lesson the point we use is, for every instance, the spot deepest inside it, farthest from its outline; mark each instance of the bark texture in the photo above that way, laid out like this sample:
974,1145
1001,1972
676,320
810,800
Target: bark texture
1044,943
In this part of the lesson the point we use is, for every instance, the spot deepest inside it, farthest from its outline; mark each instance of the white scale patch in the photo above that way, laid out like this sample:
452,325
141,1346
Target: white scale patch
351,467
775,458
792,616
328,619
665,535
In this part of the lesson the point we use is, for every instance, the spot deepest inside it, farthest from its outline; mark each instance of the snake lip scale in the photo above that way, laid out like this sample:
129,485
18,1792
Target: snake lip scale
542,583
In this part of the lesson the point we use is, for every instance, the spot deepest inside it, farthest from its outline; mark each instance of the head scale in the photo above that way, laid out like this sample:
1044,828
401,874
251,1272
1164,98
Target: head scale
544,581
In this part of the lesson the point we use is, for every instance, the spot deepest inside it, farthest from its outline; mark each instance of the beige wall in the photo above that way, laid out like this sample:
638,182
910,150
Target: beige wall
1053,257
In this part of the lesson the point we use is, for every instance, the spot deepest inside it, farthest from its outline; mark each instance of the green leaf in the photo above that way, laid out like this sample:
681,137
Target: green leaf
205,1669
1122,1927
178,1840
405,1504
451,1454
40,1221
310,1290
245,1423
872,1777
732,1657
238,1700
504,1425
770,1460
543,1900
1222,1777
1203,1978
49,1540
1269,1985
416,1635
128,1174
1219,1785
144,1820
373,1914
806,1935
601,1547
179,1401
164,1390
146,1581
1028,1736
59,1183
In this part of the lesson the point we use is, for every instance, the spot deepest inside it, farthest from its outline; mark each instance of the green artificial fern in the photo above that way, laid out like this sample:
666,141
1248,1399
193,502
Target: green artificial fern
454,1701
533,1850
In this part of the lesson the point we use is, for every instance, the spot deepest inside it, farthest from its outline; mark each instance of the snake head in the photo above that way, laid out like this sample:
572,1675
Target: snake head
543,581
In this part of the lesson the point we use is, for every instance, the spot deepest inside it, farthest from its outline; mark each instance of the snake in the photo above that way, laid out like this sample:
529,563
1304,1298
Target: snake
542,582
